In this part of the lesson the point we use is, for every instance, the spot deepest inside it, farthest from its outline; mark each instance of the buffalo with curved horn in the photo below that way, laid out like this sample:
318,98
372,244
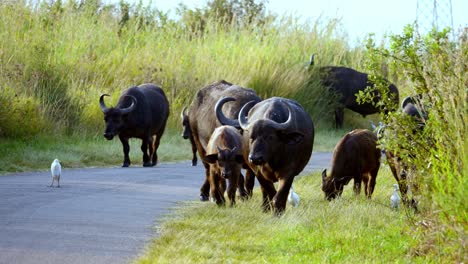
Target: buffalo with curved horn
141,112
199,121
279,137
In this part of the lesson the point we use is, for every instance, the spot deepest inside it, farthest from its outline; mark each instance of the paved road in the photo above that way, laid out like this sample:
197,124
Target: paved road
99,215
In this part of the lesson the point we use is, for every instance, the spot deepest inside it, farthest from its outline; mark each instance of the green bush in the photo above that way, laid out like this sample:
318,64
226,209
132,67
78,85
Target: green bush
434,66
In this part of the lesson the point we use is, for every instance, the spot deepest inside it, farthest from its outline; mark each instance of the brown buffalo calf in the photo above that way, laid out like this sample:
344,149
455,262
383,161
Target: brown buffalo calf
224,154
357,157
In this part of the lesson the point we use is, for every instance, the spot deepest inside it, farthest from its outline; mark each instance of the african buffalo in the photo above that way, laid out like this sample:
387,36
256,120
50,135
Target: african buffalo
413,107
357,157
141,112
202,122
346,83
224,153
279,137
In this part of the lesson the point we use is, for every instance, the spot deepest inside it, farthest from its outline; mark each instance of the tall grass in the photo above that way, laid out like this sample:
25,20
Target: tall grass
56,59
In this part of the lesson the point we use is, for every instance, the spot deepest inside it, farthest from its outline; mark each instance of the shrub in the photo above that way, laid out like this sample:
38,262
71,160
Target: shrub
436,67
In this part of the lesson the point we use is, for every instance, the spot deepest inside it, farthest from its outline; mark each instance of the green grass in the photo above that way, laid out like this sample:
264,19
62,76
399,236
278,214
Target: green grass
77,152
348,230
37,153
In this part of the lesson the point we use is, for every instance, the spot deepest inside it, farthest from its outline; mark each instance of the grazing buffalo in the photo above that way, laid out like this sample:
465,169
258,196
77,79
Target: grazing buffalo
224,153
357,157
413,107
202,121
346,83
141,112
279,136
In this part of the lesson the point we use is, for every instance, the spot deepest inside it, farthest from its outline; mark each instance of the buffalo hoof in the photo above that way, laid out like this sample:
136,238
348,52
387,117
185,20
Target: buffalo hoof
204,198
125,165
194,163
148,164
244,196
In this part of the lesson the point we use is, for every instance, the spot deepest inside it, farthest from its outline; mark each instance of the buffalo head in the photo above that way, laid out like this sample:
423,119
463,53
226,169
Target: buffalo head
115,116
268,138
331,186
229,161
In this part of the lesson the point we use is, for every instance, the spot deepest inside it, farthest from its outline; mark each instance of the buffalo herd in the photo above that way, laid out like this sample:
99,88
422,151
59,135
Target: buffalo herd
232,128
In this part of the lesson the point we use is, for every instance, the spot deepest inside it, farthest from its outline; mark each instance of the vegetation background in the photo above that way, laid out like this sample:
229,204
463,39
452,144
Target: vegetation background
57,57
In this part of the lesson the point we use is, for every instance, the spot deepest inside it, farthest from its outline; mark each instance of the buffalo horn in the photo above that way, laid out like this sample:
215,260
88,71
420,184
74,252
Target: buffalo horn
101,102
220,115
183,113
243,122
131,107
324,174
286,124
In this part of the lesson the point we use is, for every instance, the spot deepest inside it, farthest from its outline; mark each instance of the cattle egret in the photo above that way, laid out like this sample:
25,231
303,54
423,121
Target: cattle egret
56,171
395,198
293,198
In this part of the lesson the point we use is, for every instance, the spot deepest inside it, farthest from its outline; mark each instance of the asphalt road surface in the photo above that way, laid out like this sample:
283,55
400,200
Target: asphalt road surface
98,215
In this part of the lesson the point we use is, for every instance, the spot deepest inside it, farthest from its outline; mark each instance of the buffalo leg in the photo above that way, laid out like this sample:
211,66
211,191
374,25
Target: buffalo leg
205,189
156,146
249,181
357,183
194,151
372,181
241,187
216,188
144,148
268,192
279,201
339,117
151,149
126,150
231,190
399,175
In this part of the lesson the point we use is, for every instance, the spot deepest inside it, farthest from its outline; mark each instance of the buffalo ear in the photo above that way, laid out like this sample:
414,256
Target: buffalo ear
212,158
291,138
239,159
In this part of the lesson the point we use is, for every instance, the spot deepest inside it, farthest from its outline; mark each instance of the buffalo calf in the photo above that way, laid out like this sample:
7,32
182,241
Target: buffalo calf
357,157
224,154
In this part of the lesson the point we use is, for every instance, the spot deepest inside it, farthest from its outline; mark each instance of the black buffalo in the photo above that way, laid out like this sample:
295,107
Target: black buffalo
346,83
414,107
200,122
279,136
141,112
